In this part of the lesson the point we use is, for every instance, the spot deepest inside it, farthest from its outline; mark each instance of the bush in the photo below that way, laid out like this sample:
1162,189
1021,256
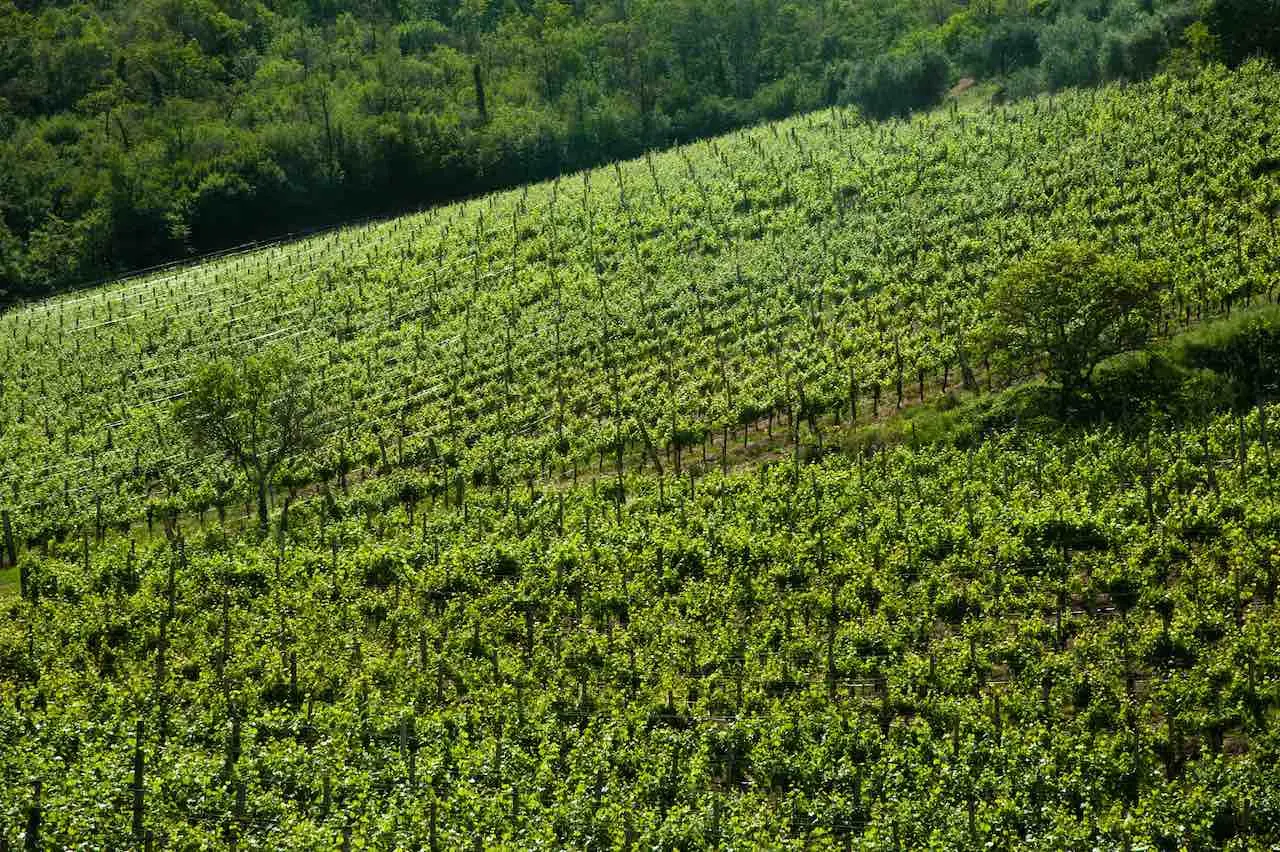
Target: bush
1024,83
1245,28
1245,349
1132,387
898,85
1070,48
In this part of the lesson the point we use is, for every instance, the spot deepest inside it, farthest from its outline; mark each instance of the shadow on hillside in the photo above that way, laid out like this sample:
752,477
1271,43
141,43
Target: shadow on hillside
1230,364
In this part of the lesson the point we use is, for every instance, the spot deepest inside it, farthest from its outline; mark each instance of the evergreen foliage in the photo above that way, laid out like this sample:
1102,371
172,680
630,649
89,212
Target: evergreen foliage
142,132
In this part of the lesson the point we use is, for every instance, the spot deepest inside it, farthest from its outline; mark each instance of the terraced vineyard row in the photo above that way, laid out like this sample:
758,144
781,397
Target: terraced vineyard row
1048,645
821,265
578,561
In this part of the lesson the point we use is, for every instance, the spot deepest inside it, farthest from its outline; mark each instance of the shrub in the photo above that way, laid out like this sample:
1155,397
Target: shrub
897,85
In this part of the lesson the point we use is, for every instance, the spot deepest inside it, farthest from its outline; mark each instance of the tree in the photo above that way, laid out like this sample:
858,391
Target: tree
1245,27
1198,48
1007,46
1069,307
256,412
899,84
1070,50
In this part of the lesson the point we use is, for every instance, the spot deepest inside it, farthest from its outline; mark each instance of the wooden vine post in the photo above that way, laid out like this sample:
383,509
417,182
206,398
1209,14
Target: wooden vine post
138,803
10,547
31,843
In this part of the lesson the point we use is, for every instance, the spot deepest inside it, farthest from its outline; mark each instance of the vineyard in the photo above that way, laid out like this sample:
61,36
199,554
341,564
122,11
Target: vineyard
592,550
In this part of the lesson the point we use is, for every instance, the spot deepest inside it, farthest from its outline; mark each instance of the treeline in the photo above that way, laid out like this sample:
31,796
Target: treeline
135,133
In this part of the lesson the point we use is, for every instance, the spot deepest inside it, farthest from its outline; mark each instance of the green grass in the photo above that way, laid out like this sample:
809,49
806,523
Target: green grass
1193,375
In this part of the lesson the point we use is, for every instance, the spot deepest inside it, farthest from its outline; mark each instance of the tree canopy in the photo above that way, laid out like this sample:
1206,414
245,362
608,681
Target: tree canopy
142,132
258,413
1067,308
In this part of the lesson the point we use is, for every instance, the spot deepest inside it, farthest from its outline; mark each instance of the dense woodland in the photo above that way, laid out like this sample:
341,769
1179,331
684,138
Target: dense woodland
142,132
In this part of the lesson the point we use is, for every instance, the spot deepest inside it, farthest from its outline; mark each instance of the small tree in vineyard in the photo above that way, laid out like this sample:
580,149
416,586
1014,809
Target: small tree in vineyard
1067,308
256,412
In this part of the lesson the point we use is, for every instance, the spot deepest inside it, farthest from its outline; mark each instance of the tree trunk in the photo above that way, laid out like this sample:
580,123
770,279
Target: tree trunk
1068,387
481,105
264,516
10,548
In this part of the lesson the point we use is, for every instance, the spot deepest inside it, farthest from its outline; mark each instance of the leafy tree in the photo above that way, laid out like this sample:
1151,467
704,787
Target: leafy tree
1071,50
897,85
257,413
1198,48
1245,27
1144,49
1004,48
1069,307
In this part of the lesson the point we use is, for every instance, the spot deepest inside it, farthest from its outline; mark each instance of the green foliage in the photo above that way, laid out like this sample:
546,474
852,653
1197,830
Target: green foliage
142,132
1246,349
1245,28
1044,634
532,331
1070,48
1068,307
1190,378
257,413
897,85
1196,48
575,560
1003,49
1136,55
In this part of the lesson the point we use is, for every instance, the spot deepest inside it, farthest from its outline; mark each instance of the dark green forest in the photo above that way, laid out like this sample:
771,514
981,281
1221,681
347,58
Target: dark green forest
136,133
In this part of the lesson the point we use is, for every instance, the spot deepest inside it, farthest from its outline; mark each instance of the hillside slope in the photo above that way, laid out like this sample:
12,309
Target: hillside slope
482,617
783,269
138,132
